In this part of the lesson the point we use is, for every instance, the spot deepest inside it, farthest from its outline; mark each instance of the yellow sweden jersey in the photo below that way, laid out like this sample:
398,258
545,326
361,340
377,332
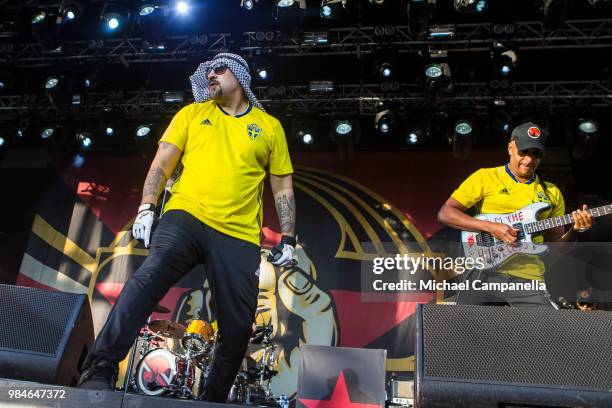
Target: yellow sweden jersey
497,191
225,159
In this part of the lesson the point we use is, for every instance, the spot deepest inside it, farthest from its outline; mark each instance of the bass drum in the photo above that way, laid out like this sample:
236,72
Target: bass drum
161,372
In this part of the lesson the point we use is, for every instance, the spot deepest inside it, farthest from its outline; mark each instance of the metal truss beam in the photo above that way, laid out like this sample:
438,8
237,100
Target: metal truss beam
125,51
477,97
528,35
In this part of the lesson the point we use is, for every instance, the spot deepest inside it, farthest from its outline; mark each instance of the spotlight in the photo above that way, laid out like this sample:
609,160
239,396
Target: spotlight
437,81
59,91
471,6
331,8
343,127
152,24
114,16
384,120
462,139
109,131
377,2
287,14
143,131
586,139
146,10
70,10
262,73
247,4
45,29
47,133
85,140
463,128
588,126
385,70
415,136
505,63
305,137
182,7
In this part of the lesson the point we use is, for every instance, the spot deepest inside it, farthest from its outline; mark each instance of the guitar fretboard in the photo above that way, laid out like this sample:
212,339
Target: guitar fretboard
543,225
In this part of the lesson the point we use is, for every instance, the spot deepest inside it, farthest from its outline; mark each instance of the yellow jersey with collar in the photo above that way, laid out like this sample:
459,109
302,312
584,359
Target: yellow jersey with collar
496,191
225,160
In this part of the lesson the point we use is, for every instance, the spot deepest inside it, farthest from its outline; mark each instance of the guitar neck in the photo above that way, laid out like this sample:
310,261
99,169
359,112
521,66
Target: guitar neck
549,223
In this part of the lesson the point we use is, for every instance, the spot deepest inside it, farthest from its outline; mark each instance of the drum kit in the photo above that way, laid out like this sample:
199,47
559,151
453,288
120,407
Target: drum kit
174,360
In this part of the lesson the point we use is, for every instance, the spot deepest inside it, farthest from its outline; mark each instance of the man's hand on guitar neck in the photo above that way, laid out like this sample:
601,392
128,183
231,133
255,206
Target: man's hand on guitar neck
502,232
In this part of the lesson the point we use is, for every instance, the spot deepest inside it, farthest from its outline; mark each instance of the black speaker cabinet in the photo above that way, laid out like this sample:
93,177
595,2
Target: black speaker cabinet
485,356
44,335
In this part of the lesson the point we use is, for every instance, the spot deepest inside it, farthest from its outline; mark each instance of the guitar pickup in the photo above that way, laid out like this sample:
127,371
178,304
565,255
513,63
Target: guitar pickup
521,231
485,239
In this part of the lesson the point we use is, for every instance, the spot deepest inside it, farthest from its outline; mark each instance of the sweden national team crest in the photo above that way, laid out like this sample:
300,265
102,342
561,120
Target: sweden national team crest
253,131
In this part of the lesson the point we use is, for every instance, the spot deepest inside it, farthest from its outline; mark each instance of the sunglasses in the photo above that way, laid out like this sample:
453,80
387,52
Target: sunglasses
218,69
536,154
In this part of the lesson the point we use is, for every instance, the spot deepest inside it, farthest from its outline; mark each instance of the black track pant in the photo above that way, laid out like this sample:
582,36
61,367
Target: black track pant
179,243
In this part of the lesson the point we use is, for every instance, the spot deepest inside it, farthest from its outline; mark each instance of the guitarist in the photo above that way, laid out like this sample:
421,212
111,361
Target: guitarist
506,189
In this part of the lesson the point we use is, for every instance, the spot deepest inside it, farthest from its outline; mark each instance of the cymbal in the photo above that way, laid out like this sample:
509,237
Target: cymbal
161,309
167,328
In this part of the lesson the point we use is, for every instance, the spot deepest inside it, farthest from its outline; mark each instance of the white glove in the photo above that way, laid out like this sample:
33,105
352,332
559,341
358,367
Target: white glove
143,225
282,254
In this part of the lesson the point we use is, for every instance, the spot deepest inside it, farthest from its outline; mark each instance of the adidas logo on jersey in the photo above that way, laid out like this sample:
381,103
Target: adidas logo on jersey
206,122
504,191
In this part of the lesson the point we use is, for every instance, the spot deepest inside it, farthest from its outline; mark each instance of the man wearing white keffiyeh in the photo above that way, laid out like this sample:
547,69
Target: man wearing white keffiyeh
226,144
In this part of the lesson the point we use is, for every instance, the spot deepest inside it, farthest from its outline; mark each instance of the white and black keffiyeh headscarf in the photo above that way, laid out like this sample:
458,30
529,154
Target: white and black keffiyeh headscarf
236,64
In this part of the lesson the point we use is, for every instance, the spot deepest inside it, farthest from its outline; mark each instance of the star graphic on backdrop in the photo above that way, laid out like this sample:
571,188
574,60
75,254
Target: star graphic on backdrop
339,399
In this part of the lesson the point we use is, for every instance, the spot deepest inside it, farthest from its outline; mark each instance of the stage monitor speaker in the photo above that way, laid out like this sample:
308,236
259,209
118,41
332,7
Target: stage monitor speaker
44,335
486,356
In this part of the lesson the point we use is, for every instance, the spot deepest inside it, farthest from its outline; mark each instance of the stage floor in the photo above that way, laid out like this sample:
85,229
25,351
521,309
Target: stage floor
15,393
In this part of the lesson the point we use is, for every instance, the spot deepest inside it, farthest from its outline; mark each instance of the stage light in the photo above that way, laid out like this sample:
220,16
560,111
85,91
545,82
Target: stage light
384,120
146,10
3,142
143,131
506,63
331,8
385,70
85,140
433,71
471,6
586,140
114,16
262,73
39,17
437,81
377,2
462,139
59,91
247,4
45,29
182,7
415,136
51,82
47,133
109,131
70,10
588,126
343,127
2,85
305,138
463,128
285,3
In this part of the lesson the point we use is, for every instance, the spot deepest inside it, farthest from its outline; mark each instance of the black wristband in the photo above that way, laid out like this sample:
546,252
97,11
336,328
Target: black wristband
147,207
286,239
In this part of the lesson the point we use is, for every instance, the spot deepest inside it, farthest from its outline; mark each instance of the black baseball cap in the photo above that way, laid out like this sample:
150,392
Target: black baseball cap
529,136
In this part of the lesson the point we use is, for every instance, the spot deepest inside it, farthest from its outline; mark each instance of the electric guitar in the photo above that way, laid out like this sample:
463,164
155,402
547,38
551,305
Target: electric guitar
493,253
